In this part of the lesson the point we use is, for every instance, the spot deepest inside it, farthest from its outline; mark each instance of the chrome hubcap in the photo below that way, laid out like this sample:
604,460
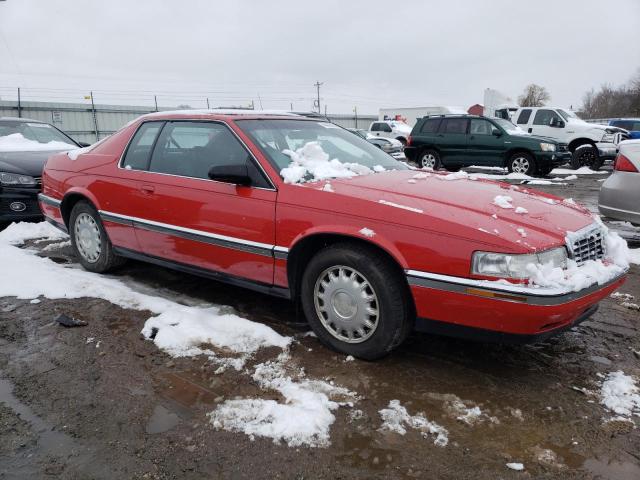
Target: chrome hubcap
520,165
87,236
346,304
429,160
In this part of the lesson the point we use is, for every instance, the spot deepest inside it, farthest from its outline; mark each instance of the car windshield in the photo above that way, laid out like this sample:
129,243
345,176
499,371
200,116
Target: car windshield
303,150
20,135
509,127
567,114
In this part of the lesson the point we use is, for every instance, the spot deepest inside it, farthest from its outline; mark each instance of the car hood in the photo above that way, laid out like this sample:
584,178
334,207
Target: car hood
457,204
25,163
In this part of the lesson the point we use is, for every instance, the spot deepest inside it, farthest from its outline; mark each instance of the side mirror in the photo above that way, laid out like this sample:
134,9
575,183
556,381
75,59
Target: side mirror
556,123
237,174
496,133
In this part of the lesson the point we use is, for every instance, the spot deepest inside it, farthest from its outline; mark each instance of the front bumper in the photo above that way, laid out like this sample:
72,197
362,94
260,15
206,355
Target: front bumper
552,159
468,308
19,204
607,151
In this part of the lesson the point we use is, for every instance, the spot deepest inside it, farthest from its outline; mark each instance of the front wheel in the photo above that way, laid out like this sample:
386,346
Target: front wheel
355,301
430,159
522,162
90,241
586,155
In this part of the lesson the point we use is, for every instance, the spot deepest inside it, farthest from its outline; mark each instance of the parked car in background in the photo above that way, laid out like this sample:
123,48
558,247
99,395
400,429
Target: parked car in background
391,129
458,141
25,146
302,209
632,125
590,144
620,193
388,145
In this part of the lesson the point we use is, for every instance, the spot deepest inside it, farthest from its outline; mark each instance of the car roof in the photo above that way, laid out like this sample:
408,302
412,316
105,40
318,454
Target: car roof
225,114
20,119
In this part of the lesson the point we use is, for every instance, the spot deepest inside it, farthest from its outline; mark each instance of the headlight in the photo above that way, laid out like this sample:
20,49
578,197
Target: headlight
547,147
504,265
13,179
608,137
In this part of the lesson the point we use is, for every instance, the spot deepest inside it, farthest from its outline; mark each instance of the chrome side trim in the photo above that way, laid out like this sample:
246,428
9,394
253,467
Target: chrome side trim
250,246
48,200
529,295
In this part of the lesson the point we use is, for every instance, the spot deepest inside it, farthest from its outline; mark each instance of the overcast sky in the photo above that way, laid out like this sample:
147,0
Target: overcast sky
368,54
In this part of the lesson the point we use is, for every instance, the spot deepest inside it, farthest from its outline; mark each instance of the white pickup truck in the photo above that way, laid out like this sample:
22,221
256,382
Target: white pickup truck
589,143
391,129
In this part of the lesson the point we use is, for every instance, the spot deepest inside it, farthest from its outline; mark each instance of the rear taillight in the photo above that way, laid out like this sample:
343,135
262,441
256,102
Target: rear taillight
623,164
408,140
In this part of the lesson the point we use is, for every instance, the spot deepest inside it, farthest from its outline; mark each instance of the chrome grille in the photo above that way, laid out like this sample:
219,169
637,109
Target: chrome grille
587,244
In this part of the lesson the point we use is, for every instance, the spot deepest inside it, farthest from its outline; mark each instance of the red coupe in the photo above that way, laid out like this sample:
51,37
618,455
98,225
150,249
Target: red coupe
300,208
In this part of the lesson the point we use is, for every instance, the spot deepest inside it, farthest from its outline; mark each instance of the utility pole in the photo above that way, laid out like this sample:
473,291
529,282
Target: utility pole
260,101
355,111
155,100
317,85
19,104
291,106
95,117
208,107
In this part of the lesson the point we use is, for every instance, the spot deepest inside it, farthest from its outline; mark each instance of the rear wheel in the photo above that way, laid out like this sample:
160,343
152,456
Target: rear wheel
429,159
522,162
90,241
355,301
586,155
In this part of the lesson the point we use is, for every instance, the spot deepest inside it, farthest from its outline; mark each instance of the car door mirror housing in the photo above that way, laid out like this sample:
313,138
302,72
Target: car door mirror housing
496,133
556,123
237,174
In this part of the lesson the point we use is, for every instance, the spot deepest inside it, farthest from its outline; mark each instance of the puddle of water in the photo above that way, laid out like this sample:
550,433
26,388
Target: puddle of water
186,392
612,469
162,420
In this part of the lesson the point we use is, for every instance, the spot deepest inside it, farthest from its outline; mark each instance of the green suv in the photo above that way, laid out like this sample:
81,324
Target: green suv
456,141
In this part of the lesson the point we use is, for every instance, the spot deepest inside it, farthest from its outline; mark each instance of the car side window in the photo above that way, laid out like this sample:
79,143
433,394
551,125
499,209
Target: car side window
139,149
455,125
375,127
190,149
430,126
544,117
480,127
524,117
385,127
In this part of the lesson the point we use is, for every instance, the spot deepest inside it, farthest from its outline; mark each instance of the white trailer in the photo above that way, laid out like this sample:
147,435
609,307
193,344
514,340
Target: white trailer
497,104
410,115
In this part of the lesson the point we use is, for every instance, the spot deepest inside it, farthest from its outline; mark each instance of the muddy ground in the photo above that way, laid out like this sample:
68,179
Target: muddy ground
120,408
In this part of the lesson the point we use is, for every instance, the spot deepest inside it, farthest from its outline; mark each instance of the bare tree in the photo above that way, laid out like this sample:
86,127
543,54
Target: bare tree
534,96
610,102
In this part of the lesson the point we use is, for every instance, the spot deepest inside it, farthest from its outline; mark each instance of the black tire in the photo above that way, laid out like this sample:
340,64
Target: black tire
516,163
585,155
429,158
394,320
452,168
107,260
544,171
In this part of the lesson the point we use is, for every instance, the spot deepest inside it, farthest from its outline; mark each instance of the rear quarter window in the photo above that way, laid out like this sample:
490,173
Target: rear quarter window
430,126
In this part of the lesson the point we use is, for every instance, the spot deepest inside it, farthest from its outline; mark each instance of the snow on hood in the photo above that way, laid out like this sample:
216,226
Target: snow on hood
16,142
311,163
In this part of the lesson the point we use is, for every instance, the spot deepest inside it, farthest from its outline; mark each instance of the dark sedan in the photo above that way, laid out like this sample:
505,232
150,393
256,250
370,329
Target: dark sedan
25,146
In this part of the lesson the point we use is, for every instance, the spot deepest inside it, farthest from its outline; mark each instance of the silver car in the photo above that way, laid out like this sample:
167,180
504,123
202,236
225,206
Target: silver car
620,193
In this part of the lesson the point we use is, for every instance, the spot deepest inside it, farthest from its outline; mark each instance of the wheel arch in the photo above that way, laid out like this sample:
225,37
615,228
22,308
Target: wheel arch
303,250
71,198
575,143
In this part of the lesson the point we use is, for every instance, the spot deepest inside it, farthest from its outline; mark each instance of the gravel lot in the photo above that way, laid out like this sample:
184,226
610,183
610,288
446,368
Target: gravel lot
117,407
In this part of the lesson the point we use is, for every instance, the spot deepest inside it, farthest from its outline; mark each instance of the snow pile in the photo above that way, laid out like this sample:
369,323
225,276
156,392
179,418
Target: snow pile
503,201
579,171
395,418
304,418
16,142
178,329
403,207
515,466
421,175
367,232
456,176
521,210
634,256
620,394
310,162
181,332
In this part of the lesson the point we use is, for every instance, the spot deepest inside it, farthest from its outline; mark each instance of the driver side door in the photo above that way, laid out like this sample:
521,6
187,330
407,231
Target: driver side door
192,220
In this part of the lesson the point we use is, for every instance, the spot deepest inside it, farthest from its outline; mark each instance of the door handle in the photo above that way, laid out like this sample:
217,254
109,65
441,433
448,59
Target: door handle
147,188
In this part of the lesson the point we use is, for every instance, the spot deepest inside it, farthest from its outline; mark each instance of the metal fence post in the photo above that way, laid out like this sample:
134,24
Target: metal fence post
19,104
95,118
